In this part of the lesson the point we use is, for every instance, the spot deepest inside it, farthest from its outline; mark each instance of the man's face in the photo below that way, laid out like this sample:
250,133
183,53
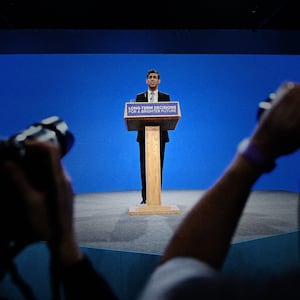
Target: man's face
153,80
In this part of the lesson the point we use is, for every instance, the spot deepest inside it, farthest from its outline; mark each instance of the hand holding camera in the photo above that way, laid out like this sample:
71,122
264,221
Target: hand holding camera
36,193
278,129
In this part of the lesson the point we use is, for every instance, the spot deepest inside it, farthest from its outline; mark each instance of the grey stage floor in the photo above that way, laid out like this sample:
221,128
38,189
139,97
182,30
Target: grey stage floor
102,219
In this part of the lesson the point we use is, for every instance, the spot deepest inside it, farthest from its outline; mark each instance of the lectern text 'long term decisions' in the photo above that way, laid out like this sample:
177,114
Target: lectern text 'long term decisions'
151,117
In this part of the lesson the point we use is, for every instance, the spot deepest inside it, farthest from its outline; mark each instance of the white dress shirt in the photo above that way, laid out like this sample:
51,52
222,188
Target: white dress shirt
152,96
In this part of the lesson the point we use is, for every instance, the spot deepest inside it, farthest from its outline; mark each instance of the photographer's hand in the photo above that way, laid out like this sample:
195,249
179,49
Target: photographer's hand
278,132
46,193
48,204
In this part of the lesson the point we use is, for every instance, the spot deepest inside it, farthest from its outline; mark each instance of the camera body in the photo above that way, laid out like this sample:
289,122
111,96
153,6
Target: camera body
51,129
264,106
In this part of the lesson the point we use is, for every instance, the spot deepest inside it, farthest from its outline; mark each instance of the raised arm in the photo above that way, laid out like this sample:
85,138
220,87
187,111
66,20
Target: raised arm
207,230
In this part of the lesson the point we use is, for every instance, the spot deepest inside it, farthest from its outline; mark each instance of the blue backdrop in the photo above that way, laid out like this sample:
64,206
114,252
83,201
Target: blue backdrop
218,95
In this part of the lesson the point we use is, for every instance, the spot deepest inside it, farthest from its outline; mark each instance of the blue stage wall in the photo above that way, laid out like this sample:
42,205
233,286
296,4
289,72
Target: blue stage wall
218,94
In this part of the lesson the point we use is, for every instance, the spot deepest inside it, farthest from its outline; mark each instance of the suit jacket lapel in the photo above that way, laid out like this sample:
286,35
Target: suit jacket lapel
158,96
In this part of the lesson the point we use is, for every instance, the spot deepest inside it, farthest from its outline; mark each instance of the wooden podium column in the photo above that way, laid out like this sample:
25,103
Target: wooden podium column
153,171
153,178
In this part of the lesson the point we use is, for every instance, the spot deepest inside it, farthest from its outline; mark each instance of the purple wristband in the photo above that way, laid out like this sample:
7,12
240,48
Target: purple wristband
253,155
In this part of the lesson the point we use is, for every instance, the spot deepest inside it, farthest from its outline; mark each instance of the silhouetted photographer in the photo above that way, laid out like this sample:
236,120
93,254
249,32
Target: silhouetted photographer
37,205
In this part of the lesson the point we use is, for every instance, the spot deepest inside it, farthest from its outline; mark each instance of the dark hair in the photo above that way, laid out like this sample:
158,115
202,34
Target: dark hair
153,71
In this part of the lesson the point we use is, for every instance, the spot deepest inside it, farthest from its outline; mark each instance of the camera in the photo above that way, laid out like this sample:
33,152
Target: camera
52,129
263,106
13,225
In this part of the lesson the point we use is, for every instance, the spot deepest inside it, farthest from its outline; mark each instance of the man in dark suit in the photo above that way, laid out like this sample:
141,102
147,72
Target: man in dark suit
151,95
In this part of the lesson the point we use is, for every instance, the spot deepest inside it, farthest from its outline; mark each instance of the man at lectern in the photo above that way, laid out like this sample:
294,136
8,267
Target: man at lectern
151,95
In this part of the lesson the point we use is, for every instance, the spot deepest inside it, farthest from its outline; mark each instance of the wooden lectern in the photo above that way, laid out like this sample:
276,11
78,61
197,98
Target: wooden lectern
151,117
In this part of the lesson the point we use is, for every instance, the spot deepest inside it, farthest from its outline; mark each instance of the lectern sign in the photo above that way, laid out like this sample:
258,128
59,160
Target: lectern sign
153,109
140,114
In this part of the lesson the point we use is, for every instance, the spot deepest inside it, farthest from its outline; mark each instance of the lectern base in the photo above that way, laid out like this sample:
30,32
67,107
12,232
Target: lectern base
145,209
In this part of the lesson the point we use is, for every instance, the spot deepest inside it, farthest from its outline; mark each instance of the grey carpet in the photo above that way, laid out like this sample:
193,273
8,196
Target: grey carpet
102,219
